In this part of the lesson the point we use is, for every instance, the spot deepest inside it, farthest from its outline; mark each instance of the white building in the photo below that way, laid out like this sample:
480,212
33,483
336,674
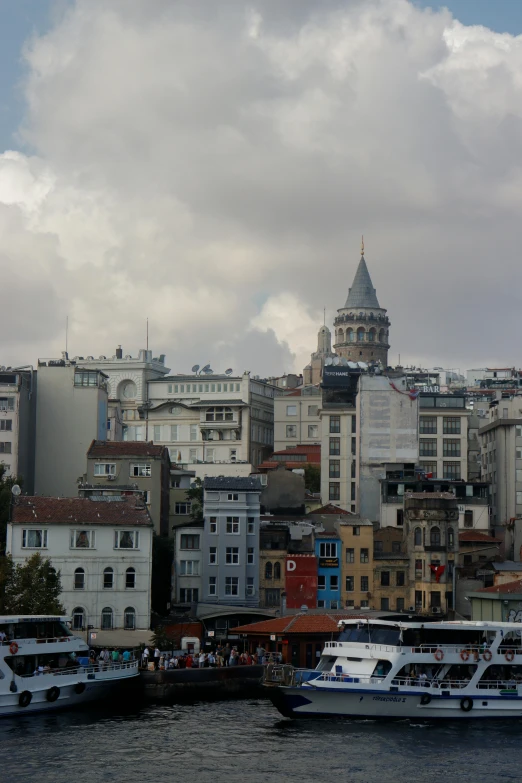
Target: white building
297,419
103,550
17,424
187,584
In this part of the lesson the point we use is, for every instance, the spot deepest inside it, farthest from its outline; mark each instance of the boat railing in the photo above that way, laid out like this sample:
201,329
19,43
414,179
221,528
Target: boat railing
37,640
89,669
499,685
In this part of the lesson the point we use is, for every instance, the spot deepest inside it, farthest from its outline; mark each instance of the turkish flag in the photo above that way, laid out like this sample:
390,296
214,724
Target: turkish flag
438,570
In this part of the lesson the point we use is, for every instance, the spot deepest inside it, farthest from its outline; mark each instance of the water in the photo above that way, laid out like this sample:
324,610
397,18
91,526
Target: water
247,741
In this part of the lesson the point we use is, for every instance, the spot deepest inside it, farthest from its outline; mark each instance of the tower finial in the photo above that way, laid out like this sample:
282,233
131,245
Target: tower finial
362,245
324,316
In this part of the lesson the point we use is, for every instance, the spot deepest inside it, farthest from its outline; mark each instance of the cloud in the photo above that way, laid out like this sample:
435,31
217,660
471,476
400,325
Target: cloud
212,166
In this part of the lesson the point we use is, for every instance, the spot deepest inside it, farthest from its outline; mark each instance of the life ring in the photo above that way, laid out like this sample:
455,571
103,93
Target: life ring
52,694
464,654
466,704
13,648
509,655
487,655
24,699
79,687
439,654
425,698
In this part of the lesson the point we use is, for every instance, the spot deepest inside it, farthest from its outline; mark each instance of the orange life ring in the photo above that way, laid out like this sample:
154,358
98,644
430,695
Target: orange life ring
509,655
464,654
487,655
13,648
439,655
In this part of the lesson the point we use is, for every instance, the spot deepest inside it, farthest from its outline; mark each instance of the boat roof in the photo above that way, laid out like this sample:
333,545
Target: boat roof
449,625
32,618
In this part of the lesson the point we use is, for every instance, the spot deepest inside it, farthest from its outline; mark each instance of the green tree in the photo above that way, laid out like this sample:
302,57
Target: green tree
6,485
195,495
33,587
312,478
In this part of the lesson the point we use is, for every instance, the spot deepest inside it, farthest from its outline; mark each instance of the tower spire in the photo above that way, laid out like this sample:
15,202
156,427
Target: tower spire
362,245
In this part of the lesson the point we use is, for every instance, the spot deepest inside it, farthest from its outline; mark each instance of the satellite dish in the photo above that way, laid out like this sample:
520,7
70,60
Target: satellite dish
229,371
210,372
195,368
336,360
15,490
206,368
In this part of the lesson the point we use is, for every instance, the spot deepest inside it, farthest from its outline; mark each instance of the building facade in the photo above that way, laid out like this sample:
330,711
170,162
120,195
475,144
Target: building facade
391,565
443,435
17,424
297,419
103,550
328,553
356,535
187,581
230,543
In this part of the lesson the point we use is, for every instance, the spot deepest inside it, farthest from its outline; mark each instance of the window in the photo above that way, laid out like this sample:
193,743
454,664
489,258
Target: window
157,432
451,470
350,555
365,584
212,585
430,467
518,500
385,604
427,447
396,547
78,618
250,555
428,425
107,619
219,414
321,582
352,490
418,569
385,578
451,538
142,470
129,618
189,541
6,425
349,584
354,447
400,517
251,526
350,603
291,431
189,568
232,585
193,432
435,599
417,536
193,455
356,530
335,424
130,578
126,539
212,555
291,410
79,579
213,525
182,508
233,496
451,448
86,378
400,579
435,536
108,578
232,555
277,570
313,410
174,432
5,447
233,525
377,546
468,518
104,469
313,431
365,555
250,587
268,571
334,491
83,539
327,549
320,603
335,447
365,604
451,425
7,404
189,595
34,539
400,604
335,468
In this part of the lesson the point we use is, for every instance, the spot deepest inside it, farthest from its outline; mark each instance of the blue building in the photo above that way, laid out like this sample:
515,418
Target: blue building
328,550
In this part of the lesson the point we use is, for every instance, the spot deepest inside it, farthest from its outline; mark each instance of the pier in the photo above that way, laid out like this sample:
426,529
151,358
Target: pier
229,682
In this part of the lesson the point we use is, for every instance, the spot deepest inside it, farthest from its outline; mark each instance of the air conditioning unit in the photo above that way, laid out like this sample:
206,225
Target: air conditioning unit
411,608
111,478
435,609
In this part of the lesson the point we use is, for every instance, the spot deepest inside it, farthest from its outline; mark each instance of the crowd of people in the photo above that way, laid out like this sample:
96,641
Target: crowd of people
220,656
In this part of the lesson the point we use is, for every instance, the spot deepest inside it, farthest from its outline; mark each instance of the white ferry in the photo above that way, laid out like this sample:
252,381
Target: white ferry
43,666
414,669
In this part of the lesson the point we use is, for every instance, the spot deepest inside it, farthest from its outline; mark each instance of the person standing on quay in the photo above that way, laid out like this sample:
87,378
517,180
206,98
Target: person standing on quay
145,658
157,656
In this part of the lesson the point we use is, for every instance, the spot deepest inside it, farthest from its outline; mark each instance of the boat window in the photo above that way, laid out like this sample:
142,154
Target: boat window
370,635
503,676
326,664
382,668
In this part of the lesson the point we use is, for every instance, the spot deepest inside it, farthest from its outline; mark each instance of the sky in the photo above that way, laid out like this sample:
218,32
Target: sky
212,166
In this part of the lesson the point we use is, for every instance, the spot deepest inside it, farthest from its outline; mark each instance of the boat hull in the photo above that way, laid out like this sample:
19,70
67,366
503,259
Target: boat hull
303,702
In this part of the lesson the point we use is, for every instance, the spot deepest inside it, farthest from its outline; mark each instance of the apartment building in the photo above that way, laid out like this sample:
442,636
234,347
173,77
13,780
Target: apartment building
187,579
391,566
297,419
328,553
17,424
443,435
356,537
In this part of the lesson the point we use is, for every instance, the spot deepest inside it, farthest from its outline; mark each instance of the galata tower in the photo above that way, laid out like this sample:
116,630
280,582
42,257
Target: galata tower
362,326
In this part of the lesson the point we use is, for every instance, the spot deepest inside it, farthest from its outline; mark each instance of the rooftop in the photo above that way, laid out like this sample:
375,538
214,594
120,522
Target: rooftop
298,624
334,510
477,537
120,448
125,511
239,483
362,293
509,587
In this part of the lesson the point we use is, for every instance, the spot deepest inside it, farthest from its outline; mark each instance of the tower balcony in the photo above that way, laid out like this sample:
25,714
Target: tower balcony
382,320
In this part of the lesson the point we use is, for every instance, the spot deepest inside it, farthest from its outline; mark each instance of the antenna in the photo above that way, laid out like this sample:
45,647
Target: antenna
147,334
229,371
66,331
195,368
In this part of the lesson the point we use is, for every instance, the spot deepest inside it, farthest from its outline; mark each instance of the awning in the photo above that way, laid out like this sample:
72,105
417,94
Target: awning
119,638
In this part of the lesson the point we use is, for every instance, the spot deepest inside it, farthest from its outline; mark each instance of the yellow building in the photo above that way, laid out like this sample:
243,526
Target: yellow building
391,588
356,537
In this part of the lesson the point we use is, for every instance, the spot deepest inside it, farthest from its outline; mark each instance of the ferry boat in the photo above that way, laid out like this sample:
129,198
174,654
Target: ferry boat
44,666
415,669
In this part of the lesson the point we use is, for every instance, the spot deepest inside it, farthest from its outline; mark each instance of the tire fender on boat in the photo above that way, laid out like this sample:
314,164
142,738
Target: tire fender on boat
466,704
52,694
24,699
79,687
425,698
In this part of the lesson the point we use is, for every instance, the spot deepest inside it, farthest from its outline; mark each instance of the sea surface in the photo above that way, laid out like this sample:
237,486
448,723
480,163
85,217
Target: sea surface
248,741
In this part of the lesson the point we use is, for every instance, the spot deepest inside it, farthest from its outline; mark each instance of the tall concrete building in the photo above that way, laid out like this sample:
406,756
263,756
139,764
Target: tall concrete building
443,435
362,326
71,412
17,424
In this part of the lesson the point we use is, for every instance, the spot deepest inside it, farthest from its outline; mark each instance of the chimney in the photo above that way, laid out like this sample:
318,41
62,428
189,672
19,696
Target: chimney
119,352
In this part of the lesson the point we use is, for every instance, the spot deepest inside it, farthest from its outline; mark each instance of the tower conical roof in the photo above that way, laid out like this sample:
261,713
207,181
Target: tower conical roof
362,293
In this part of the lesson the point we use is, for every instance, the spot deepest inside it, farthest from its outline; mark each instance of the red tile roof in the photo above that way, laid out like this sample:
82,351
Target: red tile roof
331,509
127,448
81,511
312,449
298,624
508,587
477,536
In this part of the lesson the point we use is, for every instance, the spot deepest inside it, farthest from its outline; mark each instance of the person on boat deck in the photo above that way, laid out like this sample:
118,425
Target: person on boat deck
115,656
3,636
126,656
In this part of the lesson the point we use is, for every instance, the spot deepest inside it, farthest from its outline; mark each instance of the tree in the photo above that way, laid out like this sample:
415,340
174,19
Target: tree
312,478
6,498
32,587
195,495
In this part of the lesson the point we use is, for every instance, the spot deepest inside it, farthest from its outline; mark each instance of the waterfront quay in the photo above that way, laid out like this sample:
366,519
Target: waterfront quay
176,685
